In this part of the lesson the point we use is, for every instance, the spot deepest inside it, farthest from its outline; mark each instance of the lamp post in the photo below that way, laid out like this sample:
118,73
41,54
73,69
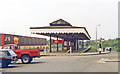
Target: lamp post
14,33
96,37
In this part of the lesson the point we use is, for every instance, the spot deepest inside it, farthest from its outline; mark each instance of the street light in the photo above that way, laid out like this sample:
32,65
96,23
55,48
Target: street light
14,33
96,36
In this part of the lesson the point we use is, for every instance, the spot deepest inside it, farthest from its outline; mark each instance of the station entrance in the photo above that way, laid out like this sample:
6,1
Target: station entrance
66,33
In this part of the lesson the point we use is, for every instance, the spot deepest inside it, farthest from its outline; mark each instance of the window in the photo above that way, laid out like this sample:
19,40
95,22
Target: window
7,53
16,47
4,53
12,53
6,47
65,43
12,47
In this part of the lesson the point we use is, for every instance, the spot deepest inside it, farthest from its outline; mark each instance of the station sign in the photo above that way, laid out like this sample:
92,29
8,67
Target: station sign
57,41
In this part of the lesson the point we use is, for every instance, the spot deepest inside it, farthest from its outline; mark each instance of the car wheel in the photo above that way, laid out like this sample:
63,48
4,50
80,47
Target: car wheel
25,59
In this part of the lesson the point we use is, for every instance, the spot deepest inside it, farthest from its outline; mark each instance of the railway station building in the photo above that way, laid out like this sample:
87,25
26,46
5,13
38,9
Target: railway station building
64,32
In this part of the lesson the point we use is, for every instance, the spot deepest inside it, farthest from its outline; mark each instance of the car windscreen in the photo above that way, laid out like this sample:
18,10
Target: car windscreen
12,53
6,47
4,53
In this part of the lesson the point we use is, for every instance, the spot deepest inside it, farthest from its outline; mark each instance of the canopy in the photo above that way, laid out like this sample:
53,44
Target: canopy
62,29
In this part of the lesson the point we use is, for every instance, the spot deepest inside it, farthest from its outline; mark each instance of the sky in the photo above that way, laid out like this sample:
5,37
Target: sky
17,16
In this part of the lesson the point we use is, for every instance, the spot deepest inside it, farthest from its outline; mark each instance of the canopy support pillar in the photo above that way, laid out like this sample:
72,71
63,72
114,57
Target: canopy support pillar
50,43
57,44
82,43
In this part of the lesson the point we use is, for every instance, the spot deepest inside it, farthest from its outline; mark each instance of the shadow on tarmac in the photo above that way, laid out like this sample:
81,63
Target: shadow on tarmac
112,61
11,67
17,64
32,63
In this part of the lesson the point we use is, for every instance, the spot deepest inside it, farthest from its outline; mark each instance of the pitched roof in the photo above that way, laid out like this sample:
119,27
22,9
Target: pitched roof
61,27
60,22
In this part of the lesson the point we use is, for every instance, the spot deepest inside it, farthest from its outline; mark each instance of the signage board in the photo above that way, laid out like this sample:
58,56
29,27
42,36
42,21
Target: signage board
16,40
57,41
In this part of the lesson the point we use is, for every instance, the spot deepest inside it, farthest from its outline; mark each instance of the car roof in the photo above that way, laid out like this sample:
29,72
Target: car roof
108,47
4,49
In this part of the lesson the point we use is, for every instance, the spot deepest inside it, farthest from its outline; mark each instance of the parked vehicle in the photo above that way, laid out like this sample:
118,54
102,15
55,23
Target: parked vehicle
26,55
6,57
108,48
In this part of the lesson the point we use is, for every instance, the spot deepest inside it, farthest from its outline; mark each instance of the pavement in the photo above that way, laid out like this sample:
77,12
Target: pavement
90,63
73,54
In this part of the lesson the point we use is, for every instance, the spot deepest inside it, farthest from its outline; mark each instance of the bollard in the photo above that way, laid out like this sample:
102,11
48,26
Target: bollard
70,50
45,50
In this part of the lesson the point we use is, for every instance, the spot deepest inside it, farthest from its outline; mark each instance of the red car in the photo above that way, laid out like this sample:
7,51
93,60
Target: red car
25,55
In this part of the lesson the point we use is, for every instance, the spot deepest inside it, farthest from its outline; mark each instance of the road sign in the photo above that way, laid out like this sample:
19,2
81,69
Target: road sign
57,41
